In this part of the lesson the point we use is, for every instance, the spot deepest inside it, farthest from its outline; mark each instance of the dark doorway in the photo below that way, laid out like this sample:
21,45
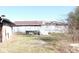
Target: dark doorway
33,32
0,32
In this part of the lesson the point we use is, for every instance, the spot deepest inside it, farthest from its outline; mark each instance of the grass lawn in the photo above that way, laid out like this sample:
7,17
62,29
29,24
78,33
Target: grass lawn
37,44
23,43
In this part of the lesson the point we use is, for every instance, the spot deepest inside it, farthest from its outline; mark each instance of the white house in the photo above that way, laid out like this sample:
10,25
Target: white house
57,27
39,27
27,27
5,29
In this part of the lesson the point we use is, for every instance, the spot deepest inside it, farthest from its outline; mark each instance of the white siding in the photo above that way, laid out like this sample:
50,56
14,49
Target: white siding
52,28
44,30
26,28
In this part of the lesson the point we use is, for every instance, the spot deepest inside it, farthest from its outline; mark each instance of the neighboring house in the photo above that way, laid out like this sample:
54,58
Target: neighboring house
5,29
53,26
28,27
39,27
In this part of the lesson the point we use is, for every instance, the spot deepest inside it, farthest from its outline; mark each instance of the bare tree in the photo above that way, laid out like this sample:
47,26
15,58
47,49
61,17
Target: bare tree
73,22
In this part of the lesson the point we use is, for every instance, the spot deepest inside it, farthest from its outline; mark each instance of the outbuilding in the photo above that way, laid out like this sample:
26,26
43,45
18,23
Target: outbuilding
5,29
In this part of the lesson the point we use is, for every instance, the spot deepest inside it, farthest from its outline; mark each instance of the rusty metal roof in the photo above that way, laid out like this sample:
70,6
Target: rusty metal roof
28,23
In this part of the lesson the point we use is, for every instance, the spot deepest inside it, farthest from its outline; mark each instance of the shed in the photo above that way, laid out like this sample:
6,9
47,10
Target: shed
5,29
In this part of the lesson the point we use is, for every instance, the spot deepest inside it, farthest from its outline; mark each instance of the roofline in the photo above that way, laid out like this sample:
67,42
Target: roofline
7,21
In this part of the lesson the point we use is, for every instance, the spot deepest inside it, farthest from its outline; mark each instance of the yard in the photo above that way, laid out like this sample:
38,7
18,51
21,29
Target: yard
38,44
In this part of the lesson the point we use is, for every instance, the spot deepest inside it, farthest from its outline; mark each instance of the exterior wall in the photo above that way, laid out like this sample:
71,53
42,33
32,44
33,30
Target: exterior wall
44,30
52,28
26,28
58,29
6,32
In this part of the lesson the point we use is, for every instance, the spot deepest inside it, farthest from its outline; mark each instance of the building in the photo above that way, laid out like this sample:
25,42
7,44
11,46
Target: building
39,27
27,27
53,26
5,29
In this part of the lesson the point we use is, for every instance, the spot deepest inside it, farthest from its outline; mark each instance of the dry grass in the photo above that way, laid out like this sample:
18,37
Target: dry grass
38,44
22,44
